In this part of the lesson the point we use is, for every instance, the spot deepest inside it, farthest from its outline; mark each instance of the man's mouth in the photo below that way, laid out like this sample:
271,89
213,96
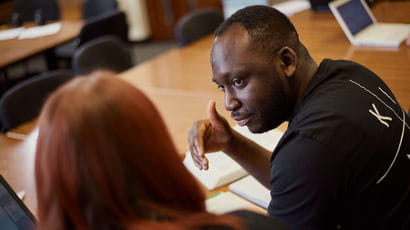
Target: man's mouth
242,121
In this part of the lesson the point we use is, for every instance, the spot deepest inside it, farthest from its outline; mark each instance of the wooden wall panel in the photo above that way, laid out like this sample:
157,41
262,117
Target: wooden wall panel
164,14
70,9
6,9
216,4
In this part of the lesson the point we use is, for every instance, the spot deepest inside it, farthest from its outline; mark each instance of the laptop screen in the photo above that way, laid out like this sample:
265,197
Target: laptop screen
13,213
355,16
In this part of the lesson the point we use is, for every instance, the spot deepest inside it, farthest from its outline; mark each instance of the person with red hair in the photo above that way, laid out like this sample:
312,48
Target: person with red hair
105,160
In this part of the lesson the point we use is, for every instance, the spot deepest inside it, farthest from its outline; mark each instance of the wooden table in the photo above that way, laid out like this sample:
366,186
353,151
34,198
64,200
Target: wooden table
179,83
14,50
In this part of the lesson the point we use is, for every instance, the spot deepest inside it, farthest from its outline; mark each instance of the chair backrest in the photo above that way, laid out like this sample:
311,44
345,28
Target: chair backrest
27,8
196,25
112,23
92,8
107,52
23,101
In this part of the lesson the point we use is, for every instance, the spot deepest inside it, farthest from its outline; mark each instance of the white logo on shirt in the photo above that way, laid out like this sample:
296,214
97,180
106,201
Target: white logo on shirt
382,119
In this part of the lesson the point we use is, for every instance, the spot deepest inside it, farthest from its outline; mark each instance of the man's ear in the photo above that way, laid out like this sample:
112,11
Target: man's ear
289,60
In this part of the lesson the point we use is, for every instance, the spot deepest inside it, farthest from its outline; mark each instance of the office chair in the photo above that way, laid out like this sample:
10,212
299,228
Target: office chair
107,52
112,23
23,102
92,8
196,25
26,9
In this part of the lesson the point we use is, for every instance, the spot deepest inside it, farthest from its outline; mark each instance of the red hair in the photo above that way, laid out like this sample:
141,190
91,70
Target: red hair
105,160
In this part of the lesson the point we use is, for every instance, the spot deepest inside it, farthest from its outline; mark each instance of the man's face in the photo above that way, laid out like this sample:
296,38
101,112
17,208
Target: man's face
254,89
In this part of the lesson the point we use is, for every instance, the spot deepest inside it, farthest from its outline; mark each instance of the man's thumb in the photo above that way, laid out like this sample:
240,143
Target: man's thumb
213,115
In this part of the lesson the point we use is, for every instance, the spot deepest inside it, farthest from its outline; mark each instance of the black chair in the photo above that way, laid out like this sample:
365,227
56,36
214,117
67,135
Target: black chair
25,10
23,102
107,52
92,8
196,25
112,23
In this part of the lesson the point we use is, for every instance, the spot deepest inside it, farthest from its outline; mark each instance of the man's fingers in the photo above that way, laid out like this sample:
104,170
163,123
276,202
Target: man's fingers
193,151
196,145
205,163
196,161
199,161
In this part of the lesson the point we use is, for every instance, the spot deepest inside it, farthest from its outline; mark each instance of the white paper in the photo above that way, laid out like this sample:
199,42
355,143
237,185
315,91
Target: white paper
227,202
40,31
268,140
250,189
223,169
11,33
292,7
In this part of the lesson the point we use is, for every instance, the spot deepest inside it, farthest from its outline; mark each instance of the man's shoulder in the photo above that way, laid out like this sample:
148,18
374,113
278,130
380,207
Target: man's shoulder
335,70
341,103
347,64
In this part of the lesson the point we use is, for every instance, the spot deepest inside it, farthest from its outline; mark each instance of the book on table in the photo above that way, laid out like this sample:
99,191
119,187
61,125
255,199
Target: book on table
222,169
225,202
250,189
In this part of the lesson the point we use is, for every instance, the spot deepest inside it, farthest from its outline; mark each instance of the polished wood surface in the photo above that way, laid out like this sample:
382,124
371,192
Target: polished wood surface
17,166
179,83
324,38
14,50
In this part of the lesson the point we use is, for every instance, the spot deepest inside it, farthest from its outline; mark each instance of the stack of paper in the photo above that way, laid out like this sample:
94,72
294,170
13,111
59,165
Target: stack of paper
222,169
33,32
11,33
227,202
40,31
250,189
268,140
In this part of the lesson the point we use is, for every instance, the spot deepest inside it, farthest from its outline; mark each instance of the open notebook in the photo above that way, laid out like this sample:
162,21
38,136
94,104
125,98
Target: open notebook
362,28
250,189
222,169
14,215
224,202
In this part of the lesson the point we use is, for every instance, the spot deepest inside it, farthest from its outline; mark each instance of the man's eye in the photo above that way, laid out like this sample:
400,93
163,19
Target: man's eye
221,87
237,82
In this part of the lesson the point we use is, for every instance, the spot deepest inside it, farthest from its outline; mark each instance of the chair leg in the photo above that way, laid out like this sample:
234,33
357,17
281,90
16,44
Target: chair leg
51,59
4,80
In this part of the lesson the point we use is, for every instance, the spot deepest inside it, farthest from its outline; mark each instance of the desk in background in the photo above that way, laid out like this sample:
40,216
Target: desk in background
179,83
14,50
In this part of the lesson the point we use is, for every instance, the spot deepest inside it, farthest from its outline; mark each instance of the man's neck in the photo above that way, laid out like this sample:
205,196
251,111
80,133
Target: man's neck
304,75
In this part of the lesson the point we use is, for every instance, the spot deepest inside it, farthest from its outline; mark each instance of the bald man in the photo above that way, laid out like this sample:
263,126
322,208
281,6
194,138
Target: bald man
343,161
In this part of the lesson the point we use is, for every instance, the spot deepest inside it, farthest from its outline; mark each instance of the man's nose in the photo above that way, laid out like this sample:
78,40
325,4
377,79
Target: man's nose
231,102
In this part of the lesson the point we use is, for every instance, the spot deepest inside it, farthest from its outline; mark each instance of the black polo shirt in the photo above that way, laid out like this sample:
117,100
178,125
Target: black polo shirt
344,162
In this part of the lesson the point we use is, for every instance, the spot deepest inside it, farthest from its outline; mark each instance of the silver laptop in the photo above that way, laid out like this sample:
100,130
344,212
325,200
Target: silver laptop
361,27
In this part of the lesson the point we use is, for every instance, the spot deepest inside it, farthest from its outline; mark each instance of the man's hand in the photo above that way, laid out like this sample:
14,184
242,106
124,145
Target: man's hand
210,135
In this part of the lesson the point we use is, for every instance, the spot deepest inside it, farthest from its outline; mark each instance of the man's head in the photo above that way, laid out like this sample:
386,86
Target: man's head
254,58
268,29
